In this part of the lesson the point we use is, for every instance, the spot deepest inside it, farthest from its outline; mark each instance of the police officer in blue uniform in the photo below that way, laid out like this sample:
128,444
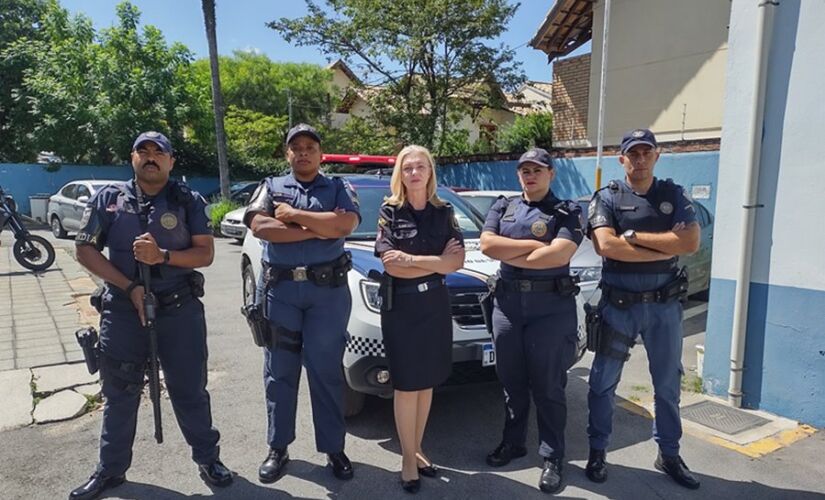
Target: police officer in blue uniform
534,319
173,239
640,225
303,218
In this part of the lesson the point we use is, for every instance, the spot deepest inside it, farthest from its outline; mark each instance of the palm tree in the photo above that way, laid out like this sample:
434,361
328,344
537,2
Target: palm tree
217,96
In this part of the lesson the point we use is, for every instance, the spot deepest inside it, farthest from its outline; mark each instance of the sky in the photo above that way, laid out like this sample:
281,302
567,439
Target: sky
242,26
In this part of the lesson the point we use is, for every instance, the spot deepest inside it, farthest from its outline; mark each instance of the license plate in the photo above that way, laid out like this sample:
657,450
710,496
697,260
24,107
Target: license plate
488,354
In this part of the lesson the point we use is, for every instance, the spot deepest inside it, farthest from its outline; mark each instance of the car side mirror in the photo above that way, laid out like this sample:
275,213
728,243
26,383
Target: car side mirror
82,199
244,198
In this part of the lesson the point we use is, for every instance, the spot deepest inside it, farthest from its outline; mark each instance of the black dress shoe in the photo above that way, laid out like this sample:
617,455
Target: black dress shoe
411,486
96,485
271,469
216,473
505,452
675,467
550,481
428,471
341,466
596,469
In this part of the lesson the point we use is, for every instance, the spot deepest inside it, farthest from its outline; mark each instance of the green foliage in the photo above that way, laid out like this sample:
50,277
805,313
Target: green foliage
434,58
253,137
533,130
220,209
358,136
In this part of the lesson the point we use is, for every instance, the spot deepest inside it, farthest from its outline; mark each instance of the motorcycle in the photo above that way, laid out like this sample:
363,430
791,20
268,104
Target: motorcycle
30,251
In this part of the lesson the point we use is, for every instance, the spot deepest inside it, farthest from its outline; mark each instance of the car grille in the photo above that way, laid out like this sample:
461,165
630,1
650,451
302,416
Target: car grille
466,310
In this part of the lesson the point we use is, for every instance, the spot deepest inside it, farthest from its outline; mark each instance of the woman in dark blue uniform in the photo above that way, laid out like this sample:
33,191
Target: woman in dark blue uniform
534,320
419,243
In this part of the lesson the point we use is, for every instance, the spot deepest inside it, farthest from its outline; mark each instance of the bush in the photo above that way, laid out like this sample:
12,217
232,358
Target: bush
533,130
220,209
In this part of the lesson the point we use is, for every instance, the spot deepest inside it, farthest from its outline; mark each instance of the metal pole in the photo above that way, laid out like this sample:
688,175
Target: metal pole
602,85
764,30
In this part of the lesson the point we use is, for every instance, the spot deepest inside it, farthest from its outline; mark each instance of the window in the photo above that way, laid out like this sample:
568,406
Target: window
69,191
83,191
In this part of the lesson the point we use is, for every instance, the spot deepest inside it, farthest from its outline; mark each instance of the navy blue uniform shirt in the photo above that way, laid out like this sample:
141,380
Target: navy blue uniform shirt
544,220
322,194
416,232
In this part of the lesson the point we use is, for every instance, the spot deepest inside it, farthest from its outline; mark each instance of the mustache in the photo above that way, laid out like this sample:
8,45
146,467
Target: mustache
151,162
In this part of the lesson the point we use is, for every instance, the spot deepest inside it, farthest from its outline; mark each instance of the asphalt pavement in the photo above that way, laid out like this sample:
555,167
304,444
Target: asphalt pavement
47,461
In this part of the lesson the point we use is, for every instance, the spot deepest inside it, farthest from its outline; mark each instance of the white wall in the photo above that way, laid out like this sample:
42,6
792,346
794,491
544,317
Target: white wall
662,55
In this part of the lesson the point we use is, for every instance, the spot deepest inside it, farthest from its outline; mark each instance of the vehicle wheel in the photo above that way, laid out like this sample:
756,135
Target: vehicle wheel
249,287
34,252
57,228
353,401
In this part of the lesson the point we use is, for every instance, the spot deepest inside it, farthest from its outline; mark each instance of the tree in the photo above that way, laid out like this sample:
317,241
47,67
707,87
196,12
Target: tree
533,130
254,138
19,19
433,58
358,136
217,98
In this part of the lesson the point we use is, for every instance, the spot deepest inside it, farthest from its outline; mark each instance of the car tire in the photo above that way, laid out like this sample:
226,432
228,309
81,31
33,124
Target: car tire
249,286
353,401
58,230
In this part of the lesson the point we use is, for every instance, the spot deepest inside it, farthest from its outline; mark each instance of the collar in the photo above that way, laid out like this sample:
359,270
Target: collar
320,180
549,200
651,189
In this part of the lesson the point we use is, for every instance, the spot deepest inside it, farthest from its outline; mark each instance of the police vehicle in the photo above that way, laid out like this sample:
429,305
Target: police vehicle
365,362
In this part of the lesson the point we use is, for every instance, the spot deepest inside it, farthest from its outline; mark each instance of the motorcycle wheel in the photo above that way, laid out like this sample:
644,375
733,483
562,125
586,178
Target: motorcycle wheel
34,252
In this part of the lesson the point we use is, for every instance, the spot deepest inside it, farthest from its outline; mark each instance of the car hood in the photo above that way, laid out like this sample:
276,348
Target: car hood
477,266
236,214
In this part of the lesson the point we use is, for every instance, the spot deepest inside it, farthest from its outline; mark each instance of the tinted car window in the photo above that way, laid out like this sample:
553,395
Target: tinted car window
481,203
82,191
70,191
370,199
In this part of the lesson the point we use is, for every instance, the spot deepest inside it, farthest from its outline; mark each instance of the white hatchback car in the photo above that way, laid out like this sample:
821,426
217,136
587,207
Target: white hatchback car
67,205
365,362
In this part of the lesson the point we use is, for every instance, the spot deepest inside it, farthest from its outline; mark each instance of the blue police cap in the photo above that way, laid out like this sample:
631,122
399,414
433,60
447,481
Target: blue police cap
156,137
303,129
636,137
538,156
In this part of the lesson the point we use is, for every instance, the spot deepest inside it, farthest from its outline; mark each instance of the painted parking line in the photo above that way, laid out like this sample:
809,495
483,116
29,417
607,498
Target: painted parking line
695,311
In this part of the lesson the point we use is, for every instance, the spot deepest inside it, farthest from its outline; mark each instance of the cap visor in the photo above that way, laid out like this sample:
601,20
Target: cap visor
633,144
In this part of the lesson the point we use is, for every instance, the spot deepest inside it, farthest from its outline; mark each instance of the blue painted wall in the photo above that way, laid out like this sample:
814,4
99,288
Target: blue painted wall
576,176
784,353
24,180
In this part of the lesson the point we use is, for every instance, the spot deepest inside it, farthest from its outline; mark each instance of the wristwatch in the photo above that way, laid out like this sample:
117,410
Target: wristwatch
166,256
629,235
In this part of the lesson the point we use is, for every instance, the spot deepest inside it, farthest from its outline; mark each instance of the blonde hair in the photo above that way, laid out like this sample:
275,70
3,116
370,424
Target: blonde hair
399,192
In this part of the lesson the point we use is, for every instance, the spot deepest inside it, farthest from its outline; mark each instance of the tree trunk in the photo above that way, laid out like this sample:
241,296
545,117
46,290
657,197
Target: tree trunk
217,95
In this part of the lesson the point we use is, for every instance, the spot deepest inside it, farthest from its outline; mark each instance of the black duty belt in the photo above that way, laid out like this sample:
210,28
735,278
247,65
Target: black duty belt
420,287
333,273
565,285
675,289
660,266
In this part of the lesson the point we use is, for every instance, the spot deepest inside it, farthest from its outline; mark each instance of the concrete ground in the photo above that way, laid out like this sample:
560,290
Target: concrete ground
47,461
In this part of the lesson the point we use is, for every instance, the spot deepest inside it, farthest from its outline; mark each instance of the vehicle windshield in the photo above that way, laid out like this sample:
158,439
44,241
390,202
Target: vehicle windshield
370,199
481,203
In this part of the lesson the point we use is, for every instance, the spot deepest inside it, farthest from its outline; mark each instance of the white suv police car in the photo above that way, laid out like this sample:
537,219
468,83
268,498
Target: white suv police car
365,362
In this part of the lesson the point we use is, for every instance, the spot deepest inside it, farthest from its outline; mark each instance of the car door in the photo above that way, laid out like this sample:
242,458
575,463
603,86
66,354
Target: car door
65,208
79,204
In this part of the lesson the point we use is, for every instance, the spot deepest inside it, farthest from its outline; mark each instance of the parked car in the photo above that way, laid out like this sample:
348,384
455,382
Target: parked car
239,192
67,205
232,224
365,363
588,265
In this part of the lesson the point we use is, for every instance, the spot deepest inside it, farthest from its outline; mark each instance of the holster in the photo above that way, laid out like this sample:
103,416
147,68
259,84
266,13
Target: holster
485,300
258,323
196,283
96,299
385,289
600,335
87,338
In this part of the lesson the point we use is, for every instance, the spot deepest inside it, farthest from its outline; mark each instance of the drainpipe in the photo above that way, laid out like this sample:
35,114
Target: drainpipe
602,86
764,30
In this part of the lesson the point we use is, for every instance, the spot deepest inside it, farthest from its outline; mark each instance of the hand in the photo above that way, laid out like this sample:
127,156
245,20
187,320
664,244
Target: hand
397,258
146,250
452,247
339,211
680,226
137,300
285,212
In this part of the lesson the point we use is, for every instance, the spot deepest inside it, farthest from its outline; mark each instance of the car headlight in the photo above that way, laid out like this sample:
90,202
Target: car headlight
587,274
369,292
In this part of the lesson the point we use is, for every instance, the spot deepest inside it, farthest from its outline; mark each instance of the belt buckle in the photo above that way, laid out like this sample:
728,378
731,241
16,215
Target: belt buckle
299,274
648,298
525,285
423,287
